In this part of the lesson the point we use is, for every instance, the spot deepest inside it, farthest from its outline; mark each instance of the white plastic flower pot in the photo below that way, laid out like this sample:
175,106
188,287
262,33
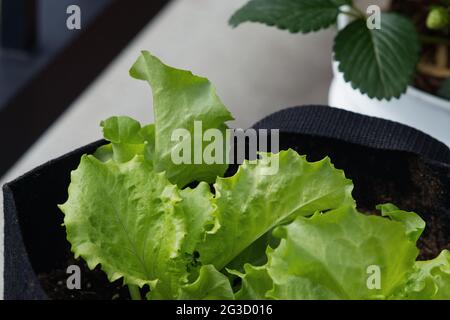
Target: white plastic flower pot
415,108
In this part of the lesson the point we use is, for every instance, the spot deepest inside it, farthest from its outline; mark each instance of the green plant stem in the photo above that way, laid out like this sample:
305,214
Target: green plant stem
351,14
135,293
358,11
354,12
434,40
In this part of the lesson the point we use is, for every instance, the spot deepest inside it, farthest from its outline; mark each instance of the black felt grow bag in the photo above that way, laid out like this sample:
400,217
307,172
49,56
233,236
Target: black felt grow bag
387,162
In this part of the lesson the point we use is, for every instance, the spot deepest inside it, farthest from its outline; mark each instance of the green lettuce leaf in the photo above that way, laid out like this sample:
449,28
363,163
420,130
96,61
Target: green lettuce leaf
135,223
127,139
210,285
413,223
329,256
430,280
255,283
255,254
179,99
249,204
104,153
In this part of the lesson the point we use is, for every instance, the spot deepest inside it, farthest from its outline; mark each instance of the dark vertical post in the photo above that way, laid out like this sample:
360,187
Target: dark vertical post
18,24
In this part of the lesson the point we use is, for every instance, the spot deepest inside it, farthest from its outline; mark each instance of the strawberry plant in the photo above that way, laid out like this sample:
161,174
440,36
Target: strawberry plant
380,62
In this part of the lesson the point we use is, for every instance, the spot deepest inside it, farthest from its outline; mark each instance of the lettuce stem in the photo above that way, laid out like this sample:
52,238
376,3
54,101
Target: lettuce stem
135,293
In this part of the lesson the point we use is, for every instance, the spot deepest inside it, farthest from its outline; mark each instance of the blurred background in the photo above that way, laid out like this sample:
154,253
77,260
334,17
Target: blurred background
57,84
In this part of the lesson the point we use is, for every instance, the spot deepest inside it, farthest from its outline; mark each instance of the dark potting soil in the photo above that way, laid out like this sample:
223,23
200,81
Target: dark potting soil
417,11
379,177
94,284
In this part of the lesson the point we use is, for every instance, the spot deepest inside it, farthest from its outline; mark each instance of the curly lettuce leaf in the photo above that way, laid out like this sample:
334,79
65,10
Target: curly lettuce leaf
104,153
210,285
413,223
430,279
255,283
179,99
332,256
250,204
127,138
135,223
328,256
255,254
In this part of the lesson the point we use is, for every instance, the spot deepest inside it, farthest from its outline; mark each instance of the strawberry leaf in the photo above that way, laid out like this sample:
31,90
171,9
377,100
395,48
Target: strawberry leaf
378,62
294,15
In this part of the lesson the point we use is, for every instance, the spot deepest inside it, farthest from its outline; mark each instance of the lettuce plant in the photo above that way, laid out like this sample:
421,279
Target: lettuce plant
293,235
